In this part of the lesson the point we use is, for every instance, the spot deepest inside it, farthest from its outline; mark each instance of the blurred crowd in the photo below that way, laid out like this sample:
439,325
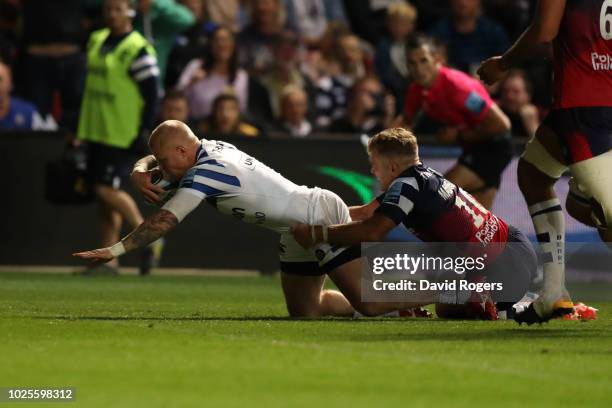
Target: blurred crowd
255,67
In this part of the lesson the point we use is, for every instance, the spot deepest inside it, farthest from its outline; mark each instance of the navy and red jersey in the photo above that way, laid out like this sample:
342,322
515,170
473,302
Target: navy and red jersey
583,55
436,210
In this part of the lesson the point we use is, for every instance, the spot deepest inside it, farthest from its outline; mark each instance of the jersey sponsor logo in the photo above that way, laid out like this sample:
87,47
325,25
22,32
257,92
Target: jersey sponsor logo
601,62
486,234
474,103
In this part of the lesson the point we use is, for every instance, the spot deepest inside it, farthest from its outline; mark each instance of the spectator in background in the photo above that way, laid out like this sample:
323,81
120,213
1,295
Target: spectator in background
318,63
190,44
369,111
225,118
285,69
390,60
9,30
294,106
256,39
15,113
53,61
430,12
368,18
333,90
226,13
309,18
174,107
118,111
205,78
513,15
161,21
515,101
470,37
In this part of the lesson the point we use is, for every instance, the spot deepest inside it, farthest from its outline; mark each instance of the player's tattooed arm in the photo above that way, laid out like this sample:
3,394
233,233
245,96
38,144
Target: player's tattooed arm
153,228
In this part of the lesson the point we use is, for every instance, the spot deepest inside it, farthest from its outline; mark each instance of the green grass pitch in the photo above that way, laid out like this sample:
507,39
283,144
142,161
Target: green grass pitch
224,342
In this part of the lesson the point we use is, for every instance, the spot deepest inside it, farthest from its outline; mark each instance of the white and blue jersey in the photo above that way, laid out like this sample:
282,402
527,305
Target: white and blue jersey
239,185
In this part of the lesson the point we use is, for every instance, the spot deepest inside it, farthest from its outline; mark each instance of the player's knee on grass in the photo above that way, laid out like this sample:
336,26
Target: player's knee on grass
302,294
302,307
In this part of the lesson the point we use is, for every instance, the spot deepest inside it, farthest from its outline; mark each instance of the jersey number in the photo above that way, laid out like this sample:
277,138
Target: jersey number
469,207
605,20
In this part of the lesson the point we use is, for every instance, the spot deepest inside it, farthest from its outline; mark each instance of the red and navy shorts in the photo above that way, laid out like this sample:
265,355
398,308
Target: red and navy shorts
583,132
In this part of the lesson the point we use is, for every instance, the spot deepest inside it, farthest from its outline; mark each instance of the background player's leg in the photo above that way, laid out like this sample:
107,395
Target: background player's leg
582,211
472,183
579,210
110,227
538,170
305,298
485,196
347,278
121,202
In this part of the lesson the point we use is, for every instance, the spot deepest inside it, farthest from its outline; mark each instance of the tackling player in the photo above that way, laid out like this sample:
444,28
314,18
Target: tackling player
239,185
435,209
471,118
576,135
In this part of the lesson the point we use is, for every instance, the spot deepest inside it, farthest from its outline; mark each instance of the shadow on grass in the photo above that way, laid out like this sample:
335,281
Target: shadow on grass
196,318
492,332
442,330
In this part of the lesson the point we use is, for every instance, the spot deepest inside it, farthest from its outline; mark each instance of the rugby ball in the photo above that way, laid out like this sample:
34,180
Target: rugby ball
168,186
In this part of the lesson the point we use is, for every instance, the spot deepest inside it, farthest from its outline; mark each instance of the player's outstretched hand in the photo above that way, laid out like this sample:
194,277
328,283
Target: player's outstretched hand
491,71
302,234
142,182
97,256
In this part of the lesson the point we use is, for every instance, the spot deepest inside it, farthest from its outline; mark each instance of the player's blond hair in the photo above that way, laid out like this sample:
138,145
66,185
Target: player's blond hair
395,142
402,10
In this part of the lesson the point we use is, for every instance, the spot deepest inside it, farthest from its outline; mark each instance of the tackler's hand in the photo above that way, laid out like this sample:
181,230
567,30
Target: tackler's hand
302,234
